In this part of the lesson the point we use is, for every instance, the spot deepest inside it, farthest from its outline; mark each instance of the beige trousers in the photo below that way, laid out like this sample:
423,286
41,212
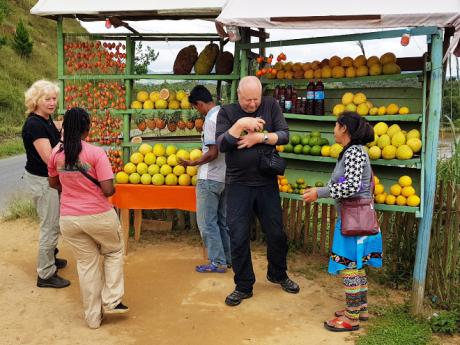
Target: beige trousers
90,236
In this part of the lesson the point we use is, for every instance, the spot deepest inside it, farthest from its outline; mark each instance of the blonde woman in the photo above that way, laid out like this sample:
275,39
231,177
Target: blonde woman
40,135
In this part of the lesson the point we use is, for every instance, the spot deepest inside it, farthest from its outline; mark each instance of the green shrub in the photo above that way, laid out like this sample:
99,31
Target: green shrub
445,322
22,43
20,208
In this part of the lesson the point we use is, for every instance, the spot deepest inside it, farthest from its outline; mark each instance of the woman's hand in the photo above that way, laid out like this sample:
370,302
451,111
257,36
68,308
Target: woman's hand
310,195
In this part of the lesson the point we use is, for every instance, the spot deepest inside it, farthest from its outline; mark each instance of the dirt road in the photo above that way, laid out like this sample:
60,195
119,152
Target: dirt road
169,302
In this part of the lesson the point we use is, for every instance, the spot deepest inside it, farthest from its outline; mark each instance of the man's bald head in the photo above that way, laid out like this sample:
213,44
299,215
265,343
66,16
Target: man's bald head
249,93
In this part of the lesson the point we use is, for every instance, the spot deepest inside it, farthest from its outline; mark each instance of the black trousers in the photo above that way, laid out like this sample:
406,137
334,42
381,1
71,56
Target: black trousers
243,203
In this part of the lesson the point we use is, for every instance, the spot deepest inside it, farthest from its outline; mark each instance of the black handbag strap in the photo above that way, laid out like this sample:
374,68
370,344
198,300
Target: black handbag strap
88,176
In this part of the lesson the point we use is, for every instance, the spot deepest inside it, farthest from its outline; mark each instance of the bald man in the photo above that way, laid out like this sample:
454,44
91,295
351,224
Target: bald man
244,131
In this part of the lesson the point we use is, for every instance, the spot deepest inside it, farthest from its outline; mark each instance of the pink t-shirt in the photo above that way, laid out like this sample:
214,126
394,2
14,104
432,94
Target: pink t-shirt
79,195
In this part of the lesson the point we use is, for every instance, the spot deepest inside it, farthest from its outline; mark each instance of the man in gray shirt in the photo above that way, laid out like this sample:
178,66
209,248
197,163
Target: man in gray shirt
210,189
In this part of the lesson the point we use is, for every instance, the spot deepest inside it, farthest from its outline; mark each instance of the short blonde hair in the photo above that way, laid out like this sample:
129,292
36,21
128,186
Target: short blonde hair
39,90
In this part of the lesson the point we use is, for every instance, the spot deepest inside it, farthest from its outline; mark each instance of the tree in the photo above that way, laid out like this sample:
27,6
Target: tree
142,59
4,12
21,40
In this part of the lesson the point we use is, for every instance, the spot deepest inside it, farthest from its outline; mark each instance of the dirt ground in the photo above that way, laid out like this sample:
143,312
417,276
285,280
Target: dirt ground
169,302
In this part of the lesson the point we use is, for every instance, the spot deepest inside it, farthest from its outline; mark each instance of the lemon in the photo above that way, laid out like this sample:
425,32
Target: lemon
136,105
404,152
338,109
159,150
359,98
392,109
148,104
153,169
129,168
142,96
145,148
382,110
400,200
165,170
134,178
142,168
393,129
390,199
384,141
398,139
376,180
404,110
408,191
194,180
136,158
405,181
183,155
195,154
336,149
146,179
178,170
180,95
351,107
415,144
389,152
362,109
170,150
171,180
413,201
158,179
161,161
172,160
395,189
184,180
379,189
413,133
325,151
380,128
149,158
375,152
154,96
122,177
380,198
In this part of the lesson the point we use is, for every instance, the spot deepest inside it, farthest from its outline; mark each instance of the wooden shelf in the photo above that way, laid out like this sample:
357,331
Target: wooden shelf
409,163
379,207
370,118
150,76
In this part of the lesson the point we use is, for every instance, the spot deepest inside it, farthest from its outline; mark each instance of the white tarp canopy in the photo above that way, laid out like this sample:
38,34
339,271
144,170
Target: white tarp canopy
339,14
129,10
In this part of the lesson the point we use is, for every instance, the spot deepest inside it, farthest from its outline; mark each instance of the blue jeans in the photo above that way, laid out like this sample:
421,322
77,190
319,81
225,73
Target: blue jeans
211,214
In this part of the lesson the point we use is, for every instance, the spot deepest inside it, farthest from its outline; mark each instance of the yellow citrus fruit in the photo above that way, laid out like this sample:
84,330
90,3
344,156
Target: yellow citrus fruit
142,168
136,158
149,158
178,170
380,198
338,109
336,149
153,169
393,129
184,180
172,160
404,152
161,161
122,177
390,199
408,191
392,109
375,69
180,95
359,98
146,178
413,133
165,170
362,109
379,189
195,154
382,110
413,201
376,180
161,104
400,200
170,150
183,155
375,152
362,71
350,72
194,180
192,170
373,111
398,139
415,144
148,104
405,181
154,96
134,178
145,148
389,152
351,107
142,96
404,110
395,189
129,168
384,141
185,104
380,128
158,179
284,188
159,150
347,98
136,105
337,72
325,151
284,182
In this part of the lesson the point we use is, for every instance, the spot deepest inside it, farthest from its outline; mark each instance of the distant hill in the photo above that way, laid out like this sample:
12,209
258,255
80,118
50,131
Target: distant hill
18,74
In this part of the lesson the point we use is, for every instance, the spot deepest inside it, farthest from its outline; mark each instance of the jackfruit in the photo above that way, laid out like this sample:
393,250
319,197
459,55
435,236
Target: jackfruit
185,60
207,59
224,63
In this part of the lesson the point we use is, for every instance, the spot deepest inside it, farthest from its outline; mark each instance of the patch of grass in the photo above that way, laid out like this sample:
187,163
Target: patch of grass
20,208
11,146
395,326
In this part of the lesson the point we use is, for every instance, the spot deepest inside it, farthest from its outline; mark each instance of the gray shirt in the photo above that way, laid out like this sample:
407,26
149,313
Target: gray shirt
351,176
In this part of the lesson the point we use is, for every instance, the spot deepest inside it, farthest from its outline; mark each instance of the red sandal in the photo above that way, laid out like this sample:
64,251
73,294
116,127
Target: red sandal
345,326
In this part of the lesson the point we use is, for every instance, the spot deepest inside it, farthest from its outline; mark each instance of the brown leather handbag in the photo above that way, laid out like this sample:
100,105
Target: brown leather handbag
358,215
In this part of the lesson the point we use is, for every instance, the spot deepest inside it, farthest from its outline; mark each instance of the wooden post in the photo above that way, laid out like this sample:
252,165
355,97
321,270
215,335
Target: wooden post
129,70
137,224
431,145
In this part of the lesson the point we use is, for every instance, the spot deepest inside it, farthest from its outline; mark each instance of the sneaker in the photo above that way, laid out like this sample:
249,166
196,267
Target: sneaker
210,268
120,308
53,282
60,263
286,284
236,297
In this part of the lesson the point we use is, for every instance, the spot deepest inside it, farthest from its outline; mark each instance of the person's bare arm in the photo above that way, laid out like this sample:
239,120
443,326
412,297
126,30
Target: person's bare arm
43,147
107,187
55,183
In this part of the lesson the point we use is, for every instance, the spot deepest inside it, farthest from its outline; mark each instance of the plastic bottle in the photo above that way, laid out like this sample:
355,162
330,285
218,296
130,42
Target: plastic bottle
310,102
293,101
319,98
288,99
282,98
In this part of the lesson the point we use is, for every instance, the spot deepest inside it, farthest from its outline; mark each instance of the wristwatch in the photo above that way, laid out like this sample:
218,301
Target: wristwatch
265,138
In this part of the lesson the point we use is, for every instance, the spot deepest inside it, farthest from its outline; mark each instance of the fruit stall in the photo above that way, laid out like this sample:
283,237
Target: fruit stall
401,97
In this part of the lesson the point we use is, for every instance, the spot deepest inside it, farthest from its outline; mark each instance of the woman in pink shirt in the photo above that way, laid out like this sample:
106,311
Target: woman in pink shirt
88,221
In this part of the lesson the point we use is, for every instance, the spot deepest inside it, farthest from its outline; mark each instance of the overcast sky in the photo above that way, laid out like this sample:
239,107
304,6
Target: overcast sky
169,50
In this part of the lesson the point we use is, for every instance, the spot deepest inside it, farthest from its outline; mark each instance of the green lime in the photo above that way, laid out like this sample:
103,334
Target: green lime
319,184
315,150
306,149
298,149
305,140
288,148
295,139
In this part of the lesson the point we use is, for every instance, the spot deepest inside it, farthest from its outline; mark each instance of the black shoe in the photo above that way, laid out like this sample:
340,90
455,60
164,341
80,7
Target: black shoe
119,309
60,263
53,282
287,284
236,296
